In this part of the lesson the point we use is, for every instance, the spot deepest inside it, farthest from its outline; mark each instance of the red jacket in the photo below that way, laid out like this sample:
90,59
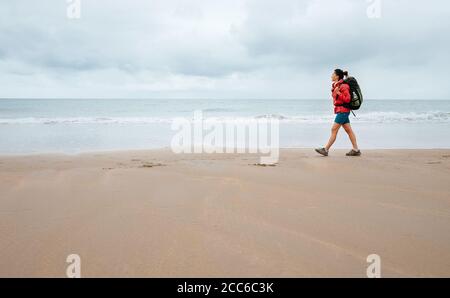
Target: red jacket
344,96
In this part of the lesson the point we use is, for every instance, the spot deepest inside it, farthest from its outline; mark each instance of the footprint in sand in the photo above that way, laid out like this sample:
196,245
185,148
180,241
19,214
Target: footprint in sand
151,165
122,165
264,165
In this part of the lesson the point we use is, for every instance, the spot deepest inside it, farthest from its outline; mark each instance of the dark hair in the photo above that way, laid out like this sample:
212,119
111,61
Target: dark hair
340,73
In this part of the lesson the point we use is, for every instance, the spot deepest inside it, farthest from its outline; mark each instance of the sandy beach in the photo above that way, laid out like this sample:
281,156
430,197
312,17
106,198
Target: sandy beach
156,214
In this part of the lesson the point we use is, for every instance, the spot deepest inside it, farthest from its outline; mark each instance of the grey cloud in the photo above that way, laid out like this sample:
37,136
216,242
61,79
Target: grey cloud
348,37
251,48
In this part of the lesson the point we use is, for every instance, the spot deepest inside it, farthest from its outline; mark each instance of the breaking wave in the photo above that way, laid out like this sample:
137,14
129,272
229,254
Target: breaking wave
371,117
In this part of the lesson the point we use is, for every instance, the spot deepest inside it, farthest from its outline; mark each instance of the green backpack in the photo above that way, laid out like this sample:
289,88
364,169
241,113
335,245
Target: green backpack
355,94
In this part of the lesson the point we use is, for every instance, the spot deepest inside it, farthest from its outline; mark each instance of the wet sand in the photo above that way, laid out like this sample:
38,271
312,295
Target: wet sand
156,214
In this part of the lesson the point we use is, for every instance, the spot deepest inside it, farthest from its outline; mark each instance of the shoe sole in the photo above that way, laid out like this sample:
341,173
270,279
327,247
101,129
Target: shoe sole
321,153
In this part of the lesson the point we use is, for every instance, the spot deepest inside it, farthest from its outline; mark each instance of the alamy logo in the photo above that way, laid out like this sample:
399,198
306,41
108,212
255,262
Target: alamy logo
74,9
374,9
257,136
74,268
374,269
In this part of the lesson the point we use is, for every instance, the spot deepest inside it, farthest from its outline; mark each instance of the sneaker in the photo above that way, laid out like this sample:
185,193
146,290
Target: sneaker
354,152
322,151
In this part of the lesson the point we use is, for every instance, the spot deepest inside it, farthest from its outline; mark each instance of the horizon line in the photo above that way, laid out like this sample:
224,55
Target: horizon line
190,98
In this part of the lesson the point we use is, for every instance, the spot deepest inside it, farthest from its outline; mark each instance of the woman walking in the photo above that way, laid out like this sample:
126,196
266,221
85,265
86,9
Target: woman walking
341,96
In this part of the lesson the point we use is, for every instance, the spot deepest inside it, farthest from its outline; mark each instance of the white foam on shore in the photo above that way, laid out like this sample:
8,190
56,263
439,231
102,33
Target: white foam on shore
371,117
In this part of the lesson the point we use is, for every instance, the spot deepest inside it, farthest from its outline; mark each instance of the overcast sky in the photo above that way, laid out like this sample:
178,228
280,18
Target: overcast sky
223,49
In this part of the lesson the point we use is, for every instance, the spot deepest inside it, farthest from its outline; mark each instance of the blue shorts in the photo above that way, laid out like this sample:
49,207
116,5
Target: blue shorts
342,118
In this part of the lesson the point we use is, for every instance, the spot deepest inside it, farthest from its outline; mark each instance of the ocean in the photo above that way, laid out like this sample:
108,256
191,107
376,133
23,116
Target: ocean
71,126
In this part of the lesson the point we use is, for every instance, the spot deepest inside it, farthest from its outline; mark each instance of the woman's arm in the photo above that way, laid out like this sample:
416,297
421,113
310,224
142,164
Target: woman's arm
343,95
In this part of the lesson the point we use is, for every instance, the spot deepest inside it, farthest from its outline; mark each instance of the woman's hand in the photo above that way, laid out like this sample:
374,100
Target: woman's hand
337,91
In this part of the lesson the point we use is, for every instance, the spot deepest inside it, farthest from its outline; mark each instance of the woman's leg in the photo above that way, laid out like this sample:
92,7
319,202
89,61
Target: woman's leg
334,132
351,135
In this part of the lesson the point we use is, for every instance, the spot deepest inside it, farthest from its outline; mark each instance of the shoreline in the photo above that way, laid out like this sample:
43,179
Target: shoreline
152,213
168,150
